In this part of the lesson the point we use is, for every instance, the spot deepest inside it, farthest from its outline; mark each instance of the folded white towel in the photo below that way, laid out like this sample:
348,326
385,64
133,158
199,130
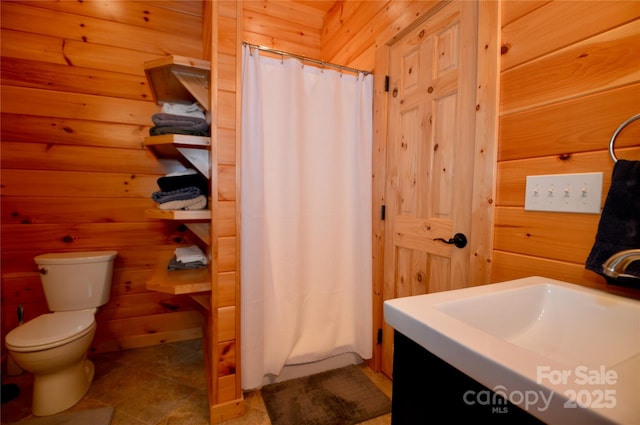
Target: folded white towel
197,203
189,254
185,172
194,110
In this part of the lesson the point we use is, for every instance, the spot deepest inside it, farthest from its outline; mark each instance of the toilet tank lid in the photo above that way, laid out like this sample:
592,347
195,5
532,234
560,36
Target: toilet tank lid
75,257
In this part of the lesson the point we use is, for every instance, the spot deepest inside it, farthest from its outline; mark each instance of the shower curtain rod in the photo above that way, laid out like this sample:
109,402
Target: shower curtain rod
306,59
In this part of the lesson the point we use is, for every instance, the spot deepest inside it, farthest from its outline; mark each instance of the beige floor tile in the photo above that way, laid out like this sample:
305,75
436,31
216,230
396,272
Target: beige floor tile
192,411
121,418
252,416
160,385
150,397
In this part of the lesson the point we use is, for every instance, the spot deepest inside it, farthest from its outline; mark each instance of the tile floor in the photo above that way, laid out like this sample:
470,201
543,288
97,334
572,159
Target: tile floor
160,385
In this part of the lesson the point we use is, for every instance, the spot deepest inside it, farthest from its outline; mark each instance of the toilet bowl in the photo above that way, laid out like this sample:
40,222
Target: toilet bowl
53,346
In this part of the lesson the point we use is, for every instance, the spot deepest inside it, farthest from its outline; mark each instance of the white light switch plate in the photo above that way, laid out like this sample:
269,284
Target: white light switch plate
581,193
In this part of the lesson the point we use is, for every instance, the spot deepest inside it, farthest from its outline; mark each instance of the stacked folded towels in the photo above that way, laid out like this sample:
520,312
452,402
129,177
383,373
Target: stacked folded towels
180,119
187,258
184,190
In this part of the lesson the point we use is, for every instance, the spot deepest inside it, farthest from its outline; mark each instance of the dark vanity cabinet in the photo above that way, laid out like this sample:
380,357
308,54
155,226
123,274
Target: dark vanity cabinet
427,390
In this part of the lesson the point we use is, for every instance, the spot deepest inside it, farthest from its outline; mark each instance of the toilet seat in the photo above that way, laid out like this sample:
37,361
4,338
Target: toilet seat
51,330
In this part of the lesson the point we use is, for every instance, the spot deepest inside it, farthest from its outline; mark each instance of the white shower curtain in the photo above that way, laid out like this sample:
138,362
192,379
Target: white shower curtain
306,215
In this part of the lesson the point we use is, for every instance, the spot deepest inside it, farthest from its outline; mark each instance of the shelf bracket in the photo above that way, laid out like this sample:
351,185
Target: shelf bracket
199,158
201,230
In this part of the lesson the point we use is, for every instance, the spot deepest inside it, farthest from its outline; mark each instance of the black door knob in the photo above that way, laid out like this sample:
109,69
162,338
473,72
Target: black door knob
459,240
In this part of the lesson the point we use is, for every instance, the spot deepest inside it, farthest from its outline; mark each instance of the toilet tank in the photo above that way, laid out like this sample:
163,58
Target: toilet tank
76,280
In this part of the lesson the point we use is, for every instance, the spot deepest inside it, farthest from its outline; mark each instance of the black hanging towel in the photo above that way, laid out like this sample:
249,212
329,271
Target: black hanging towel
619,227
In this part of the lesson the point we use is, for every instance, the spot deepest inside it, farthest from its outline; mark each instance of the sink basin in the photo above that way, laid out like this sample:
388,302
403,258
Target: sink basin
536,338
554,320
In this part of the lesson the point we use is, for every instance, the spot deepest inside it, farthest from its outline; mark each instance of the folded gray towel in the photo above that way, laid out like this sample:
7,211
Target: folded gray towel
187,123
174,264
176,195
160,130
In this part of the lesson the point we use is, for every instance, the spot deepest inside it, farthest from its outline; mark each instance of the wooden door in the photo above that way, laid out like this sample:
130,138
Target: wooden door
430,152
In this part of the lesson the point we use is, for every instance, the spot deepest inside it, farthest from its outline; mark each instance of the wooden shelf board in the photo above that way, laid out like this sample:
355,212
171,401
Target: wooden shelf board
172,141
198,65
178,79
178,281
182,215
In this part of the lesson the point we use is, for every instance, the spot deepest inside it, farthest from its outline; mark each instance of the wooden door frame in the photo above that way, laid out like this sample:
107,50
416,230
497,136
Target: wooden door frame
485,158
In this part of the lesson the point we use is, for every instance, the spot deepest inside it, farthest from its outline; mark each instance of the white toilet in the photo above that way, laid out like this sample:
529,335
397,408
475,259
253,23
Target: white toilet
53,346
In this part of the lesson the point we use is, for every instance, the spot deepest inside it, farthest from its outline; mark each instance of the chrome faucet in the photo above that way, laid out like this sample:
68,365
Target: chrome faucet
617,264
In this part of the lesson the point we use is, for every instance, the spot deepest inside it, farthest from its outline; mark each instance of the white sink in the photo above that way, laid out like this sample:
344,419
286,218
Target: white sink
552,345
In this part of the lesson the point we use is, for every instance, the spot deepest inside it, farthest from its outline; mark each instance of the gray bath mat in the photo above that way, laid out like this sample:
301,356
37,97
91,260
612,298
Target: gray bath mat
342,396
100,416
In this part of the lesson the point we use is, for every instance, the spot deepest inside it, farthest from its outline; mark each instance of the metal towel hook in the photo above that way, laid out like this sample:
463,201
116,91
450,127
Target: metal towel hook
615,135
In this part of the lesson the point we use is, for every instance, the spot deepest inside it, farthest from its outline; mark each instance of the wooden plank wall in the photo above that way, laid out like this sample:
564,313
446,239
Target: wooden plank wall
569,77
75,176
289,26
354,30
342,32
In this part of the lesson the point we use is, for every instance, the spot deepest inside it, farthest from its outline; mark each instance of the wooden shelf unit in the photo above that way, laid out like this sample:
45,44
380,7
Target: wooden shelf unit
176,79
